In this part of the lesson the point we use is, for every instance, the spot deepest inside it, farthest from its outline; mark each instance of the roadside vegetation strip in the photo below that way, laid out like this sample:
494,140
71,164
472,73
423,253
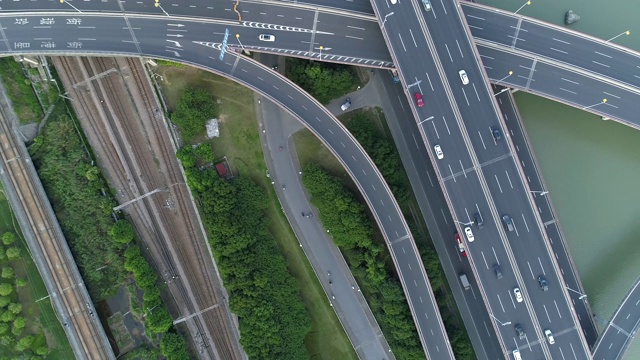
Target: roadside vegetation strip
266,298
323,81
345,219
20,91
74,187
239,143
25,324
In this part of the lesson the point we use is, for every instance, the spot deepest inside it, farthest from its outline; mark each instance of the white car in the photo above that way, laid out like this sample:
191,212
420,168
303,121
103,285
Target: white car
469,233
518,294
267,37
549,336
439,152
394,2
463,77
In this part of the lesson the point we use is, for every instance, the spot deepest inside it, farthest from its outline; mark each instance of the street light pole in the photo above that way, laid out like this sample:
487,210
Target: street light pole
582,296
385,19
617,36
523,5
504,78
501,323
604,101
238,37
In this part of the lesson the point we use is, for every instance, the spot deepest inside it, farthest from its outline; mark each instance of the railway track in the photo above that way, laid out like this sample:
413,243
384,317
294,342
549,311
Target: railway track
178,246
79,319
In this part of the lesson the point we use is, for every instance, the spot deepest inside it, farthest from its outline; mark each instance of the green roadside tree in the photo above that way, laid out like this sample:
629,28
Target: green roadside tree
20,282
173,347
8,238
159,320
122,232
7,316
24,343
5,289
7,272
15,308
195,107
13,253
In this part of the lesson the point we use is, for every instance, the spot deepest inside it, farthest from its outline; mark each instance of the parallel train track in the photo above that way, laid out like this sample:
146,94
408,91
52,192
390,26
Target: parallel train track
82,323
213,327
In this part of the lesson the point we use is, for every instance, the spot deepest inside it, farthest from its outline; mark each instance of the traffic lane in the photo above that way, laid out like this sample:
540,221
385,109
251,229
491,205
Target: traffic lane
543,202
473,100
351,36
438,219
409,265
611,344
510,198
491,26
583,92
361,6
567,86
486,250
65,33
582,52
57,6
499,63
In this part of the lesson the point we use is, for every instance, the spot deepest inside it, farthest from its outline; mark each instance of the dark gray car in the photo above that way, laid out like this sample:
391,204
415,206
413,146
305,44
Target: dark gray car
497,135
498,270
477,219
508,222
543,283
520,332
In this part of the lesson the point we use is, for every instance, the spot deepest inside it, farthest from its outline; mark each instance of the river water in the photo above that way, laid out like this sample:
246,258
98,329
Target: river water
592,167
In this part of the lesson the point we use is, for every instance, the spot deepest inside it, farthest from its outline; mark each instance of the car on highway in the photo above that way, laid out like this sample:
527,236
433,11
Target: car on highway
427,5
498,270
543,283
419,100
463,77
393,2
477,219
438,151
469,233
346,105
516,354
519,331
497,135
508,222
267,37
461,248
549,336
518,294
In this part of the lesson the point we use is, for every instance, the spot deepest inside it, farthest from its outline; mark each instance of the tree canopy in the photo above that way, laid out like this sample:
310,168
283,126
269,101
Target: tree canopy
194,108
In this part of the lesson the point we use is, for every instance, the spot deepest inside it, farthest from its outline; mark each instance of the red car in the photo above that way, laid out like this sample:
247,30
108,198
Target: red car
461,248
419,100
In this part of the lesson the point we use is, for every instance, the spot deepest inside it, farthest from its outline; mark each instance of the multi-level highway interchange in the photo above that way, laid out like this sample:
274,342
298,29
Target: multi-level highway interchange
478,173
